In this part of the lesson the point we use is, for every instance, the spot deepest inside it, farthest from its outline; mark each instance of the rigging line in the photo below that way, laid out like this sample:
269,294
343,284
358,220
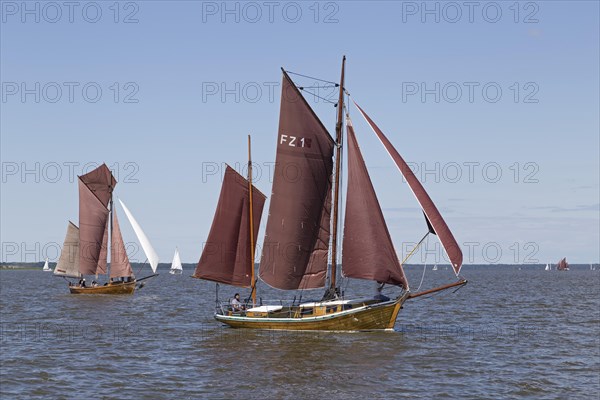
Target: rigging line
311,77
424,266
316,95
315,87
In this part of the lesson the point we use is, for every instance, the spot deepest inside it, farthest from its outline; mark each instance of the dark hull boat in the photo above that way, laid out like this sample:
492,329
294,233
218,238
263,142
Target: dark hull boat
302,230
562,265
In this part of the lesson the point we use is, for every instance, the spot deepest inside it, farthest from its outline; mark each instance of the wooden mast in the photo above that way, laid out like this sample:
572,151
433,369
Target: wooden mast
109,241
253,278
338,153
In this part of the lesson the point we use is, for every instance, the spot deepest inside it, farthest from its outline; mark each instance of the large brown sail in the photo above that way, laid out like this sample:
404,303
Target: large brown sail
296,242
431,212
93,218
226,254
119,262
368,249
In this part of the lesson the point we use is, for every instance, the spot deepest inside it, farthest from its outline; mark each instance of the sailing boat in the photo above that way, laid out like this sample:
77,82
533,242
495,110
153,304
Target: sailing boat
302,229
85,248
434,268
562,265
547,267
46,266
176,267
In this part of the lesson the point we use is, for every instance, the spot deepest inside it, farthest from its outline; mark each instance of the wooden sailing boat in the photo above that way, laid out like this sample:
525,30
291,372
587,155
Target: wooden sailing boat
46,266
300,229
176,267
562,265
85,248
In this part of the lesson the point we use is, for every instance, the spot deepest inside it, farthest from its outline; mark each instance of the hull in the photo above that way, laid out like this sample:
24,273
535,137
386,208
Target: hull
378,316
115,288
175,272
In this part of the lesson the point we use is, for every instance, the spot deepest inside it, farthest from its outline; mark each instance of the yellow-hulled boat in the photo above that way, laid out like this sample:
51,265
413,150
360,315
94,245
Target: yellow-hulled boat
300,235
110,288
85,248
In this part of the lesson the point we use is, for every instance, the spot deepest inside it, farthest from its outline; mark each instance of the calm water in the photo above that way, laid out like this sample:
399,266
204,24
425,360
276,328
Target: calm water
508,334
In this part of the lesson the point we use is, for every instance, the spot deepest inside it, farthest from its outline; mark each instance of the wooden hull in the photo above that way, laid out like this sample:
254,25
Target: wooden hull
370,317
115,288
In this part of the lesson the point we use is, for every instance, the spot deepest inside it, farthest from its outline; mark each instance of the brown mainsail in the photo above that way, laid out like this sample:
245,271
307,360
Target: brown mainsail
368,249
119,262
433,216
296,244
93,220
226,254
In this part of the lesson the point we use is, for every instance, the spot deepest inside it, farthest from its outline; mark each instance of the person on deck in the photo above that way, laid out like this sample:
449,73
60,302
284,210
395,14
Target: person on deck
378,293
236,304
82,282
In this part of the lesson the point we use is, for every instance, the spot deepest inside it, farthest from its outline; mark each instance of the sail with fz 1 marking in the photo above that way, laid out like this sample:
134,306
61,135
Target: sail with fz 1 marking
295,249
433,216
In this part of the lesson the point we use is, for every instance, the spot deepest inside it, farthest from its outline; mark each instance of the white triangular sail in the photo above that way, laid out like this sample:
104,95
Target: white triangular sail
144,242
547,267
46,266
176,264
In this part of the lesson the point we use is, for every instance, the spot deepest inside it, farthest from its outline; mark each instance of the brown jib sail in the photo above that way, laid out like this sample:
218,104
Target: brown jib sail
119,262
432,214
297,236
368,249
226,254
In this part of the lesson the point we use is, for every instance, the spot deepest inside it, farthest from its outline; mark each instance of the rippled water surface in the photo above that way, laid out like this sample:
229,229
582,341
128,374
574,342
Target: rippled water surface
509,333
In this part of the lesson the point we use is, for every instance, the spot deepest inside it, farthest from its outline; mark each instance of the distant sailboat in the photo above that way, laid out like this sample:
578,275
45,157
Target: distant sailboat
547,267
176,267
46,266
562,265
434,268
85,248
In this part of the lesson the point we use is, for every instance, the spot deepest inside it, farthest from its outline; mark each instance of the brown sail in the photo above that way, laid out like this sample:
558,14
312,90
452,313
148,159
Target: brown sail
68,263
432,214
297,236
368,249
93,218
101,266
119,262
226,254
101,182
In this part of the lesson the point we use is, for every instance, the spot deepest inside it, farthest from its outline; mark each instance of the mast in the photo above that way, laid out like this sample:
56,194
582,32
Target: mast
253,287
338,153
110,218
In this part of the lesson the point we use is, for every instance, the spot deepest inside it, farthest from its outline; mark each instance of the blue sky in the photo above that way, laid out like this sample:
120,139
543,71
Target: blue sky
465,94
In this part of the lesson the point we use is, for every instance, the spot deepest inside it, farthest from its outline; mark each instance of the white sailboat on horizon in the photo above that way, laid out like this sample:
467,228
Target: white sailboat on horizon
176,267
547,267
46,266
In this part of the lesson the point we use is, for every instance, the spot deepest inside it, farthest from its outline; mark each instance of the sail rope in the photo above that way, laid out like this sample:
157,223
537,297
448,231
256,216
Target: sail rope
316,95
424,265
312,77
